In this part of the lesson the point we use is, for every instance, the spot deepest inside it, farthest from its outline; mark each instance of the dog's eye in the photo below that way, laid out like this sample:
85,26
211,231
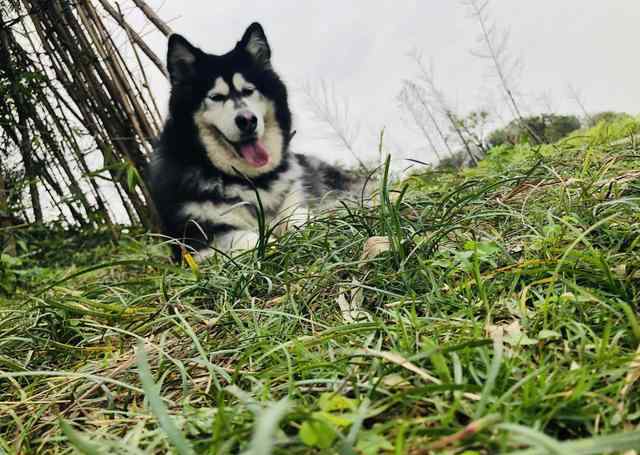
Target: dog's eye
217,98
247,92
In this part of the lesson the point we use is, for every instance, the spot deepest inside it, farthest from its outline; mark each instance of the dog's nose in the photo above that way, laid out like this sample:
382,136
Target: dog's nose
247,122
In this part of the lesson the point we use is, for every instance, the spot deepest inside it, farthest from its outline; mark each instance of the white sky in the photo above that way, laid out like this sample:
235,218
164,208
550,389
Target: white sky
360,47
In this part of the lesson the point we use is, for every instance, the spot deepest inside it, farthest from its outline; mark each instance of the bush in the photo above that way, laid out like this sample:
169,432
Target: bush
606,117
548,128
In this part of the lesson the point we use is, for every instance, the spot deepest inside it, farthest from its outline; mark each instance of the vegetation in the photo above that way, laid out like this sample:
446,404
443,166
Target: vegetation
77,118
495,310
547,128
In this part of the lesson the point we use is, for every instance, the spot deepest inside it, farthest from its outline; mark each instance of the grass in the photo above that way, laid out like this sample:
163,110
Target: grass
503,318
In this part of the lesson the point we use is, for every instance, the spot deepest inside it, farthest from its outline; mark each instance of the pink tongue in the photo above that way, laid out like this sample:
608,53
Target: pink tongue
255,154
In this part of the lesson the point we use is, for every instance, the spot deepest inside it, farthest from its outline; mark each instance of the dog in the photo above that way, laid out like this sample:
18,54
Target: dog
226,138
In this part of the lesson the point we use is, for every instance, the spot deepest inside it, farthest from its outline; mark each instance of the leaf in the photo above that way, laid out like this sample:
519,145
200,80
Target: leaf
371,443
519,339
438,360
395,381
334,420
633,375
193,265
317,433
351,309
483,250
511,334
332,402
374,246
133,178
547,334
345,309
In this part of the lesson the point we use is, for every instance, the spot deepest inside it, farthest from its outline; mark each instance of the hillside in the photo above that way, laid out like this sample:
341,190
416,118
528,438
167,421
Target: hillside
502,319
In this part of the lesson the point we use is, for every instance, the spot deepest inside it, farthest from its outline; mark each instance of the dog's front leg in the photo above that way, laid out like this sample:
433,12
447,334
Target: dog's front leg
229,242
293,213
237,240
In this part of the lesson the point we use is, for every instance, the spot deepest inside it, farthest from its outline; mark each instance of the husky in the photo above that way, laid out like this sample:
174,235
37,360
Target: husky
226,138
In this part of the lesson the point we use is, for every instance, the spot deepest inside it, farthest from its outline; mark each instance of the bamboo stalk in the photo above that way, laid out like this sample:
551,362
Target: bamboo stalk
136,37
157,117
9,245
25,145
153,17
44,131
137,122
123,82
95,87
84,94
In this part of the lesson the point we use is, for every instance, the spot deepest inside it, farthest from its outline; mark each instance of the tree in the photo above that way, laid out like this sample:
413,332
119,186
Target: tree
545,128
605,116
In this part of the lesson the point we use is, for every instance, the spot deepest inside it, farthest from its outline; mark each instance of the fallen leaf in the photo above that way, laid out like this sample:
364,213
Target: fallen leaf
375,246
633,375
511,333
404,363
351,309
193,265
394,381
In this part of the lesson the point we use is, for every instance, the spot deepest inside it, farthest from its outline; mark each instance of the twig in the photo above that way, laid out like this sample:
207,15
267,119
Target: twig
470,430
153,17
136,37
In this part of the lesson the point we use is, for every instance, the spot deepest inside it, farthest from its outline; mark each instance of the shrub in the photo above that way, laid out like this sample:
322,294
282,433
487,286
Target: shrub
548,128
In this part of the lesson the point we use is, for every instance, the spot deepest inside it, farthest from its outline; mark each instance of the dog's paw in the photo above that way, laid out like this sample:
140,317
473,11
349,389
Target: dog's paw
295,219
245,240
203,254
237,241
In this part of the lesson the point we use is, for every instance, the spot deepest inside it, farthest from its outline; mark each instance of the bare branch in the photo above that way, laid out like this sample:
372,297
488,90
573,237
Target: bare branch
153,17
576,96
494,47
407,101
119,18
328,109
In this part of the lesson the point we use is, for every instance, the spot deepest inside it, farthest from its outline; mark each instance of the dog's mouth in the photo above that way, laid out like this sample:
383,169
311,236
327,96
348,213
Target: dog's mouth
249,149
253,152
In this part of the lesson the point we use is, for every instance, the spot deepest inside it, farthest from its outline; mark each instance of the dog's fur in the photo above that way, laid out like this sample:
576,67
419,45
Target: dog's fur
206,170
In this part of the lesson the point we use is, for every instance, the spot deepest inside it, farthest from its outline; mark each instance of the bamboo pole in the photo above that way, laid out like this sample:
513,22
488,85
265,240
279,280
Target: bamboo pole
82,91
157,117
124,83
136,37
153,17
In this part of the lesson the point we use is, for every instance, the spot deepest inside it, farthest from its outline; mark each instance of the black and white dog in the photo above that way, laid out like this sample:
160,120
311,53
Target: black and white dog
227,134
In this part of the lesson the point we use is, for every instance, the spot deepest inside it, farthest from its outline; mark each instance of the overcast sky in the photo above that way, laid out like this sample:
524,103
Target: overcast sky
360,48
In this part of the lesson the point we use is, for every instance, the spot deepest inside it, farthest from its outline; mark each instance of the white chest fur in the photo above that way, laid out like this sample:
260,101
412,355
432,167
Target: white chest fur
284,202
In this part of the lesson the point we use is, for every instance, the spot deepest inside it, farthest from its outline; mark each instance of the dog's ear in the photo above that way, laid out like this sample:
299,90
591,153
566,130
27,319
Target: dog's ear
254,41
181,59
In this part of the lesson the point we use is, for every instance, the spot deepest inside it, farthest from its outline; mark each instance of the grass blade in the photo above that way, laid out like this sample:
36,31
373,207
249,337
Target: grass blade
266,427
158,408
613,443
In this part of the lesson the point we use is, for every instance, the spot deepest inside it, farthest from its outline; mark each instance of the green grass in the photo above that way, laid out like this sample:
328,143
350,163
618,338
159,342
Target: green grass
503,318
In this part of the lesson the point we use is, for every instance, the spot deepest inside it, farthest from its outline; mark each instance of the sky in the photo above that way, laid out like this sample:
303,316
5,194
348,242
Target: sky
360,50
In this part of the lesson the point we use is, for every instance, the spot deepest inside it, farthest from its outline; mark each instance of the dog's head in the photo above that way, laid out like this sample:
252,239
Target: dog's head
236,102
